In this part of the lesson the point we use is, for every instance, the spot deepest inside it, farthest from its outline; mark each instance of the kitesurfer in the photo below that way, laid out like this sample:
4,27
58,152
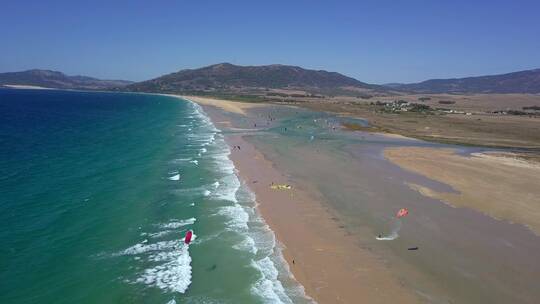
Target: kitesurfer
187,238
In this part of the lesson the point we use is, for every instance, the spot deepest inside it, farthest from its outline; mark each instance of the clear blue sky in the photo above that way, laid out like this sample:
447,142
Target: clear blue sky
376,41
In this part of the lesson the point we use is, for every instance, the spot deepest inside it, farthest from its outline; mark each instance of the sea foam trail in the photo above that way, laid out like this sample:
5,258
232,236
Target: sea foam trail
170,264
174,224
173,275
394,232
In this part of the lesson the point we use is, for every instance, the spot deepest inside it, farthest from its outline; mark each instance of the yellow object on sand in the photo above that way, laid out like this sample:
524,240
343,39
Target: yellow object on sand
281,187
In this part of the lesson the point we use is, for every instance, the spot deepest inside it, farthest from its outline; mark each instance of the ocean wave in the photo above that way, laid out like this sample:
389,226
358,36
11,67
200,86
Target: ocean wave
192,191
175,177
174,224
173,275
238,217
157,234
178,161
143,247
226,188
241,218
247,244
268,286
170,262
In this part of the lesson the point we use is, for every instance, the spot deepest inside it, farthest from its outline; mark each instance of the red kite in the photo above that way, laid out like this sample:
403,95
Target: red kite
402,212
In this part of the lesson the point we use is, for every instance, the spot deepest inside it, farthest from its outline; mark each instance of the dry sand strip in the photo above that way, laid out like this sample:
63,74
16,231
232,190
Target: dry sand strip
321,256
495,184
229,106
26,87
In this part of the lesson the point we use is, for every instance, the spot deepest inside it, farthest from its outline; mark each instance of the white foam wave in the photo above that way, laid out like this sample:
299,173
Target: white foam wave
238,217
226,188
157,234
173,275
174,177
144,248
174,224
248,244
183,159
268,286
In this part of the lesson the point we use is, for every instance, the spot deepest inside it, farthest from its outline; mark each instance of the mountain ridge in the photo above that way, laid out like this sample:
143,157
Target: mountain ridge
227,77
58,80
526,81
230,77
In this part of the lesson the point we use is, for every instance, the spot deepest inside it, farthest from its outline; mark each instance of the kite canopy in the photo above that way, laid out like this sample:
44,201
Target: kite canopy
402,212
187,239
281,187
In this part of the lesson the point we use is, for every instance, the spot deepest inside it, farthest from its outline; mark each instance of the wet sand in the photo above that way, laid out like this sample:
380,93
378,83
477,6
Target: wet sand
324,259
501,186
345,192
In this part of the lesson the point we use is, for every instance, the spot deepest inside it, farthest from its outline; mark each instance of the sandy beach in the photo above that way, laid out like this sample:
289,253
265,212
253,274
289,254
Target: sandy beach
345,189
233,107
499,185
324,259
25,87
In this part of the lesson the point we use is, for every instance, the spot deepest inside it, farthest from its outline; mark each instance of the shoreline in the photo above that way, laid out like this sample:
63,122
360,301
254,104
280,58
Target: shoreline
319,256
473,131
326,261
328,227
25,87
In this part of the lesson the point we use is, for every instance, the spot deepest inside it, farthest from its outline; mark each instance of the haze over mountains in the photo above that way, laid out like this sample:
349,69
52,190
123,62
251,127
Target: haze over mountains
517,82
58,80
229,78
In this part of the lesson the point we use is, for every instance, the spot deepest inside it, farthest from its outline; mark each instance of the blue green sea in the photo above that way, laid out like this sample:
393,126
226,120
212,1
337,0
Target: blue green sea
98,190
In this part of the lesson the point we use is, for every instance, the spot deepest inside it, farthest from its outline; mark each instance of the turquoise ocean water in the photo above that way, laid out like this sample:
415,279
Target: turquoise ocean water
98,190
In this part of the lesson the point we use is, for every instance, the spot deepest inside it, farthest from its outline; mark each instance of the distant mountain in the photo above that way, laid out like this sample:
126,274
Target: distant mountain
393,85
517,82
226,77
58,80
